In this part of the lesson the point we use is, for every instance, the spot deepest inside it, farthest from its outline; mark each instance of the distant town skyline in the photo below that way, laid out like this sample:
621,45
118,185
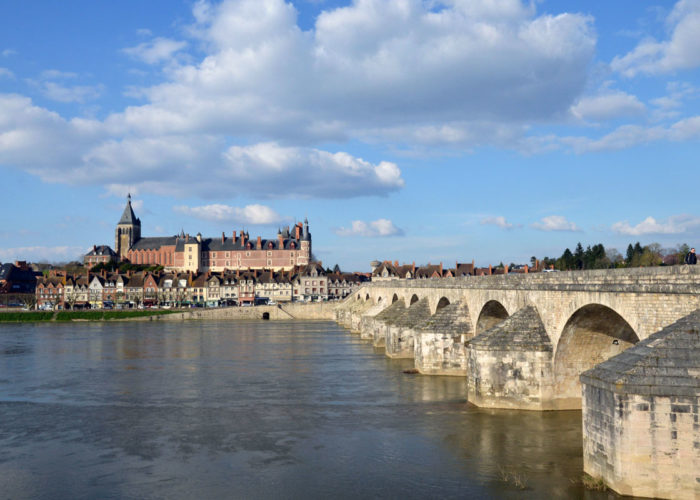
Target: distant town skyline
407,130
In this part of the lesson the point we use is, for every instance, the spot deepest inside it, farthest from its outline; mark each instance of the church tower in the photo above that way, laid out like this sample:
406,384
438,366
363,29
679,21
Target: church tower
306,241
128,231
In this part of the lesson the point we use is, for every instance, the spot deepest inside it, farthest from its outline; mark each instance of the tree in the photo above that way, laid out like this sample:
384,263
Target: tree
579,256
533,261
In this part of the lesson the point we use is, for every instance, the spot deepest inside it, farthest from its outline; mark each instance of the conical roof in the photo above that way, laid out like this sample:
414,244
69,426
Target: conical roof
666,363
416,313
521,331
453,319
128,216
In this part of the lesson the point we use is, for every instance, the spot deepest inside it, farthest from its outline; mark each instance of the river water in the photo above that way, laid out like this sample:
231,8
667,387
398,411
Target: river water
256,410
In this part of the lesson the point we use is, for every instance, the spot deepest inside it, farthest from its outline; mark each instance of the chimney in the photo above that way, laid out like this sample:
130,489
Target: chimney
280,240
297,232
396,263
243,238
223,237
413,267
259,244
490,270
505,269
441,269
94,248
187,237
526,269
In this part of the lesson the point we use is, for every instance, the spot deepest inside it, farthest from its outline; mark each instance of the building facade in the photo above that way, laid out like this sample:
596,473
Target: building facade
237,251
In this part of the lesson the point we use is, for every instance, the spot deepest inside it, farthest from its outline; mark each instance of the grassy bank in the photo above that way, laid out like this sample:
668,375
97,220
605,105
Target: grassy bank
98,315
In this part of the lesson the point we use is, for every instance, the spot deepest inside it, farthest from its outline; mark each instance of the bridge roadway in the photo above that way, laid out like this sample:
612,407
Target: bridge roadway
522,340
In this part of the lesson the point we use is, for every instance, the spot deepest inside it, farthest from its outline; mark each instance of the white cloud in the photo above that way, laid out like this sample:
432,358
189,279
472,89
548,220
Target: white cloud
673,225
498,221
470,73
8,52
250,214
55,74
679,52
6,73
42,253
555,223
606,106
624,136
76,93
377,228
156,51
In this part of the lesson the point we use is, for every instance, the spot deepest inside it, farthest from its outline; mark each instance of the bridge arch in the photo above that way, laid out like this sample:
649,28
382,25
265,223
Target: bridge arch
366,297
492,313
409,301
394,298
443,302
592,334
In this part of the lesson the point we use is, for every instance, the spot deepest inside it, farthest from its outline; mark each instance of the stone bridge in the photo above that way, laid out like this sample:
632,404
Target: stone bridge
521,340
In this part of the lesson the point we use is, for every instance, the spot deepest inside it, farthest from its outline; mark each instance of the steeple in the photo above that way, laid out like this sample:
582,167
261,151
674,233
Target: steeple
128,216
128,230
305,235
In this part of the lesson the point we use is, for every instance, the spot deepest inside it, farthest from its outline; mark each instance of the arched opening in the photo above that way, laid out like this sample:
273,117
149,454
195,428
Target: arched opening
379,300
444,301
592,334
394,298
266,315
414,299
366,297
491,314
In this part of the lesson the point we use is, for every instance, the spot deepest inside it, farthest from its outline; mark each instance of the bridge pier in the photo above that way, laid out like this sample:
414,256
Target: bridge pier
641,415
510,365
440,341
400,335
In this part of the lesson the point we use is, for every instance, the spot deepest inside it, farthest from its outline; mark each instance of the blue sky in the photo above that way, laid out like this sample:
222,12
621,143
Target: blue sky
407,130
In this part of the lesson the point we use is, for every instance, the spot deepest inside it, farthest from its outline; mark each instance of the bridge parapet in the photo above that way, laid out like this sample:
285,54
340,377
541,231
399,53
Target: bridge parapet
668,279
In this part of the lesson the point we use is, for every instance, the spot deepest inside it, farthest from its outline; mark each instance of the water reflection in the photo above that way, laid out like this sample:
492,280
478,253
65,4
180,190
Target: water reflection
255,410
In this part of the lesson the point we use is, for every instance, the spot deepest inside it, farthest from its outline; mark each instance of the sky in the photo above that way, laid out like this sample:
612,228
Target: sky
410,130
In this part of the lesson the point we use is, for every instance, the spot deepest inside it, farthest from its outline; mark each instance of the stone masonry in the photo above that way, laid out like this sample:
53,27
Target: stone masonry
440,341
641,427
510,365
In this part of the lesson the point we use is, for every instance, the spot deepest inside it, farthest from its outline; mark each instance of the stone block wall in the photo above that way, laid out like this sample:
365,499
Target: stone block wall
438,353
640,445
514,379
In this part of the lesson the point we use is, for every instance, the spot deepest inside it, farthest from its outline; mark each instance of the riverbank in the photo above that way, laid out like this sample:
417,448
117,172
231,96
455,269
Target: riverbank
301,311
94,315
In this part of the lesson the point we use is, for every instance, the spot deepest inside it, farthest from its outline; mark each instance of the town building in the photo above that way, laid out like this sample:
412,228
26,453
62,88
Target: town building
195,254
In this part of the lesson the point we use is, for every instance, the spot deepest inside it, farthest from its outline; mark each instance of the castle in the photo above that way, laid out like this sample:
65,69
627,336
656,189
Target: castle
183,252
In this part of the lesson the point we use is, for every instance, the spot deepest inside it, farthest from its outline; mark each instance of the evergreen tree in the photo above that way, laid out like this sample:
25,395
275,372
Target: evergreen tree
630,254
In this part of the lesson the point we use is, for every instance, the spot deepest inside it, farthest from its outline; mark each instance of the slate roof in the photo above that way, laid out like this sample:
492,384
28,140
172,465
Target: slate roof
101,250
128,216
154,243
666,363
523,331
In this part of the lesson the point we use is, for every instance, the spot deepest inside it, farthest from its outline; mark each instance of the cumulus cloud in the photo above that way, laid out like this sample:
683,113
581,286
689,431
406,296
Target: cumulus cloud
156,51
498,221
377,228
555,223
609,105
673,225
680,51
42,253
466,74
250,214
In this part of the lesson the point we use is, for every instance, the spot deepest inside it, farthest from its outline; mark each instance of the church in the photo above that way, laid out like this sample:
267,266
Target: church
183,252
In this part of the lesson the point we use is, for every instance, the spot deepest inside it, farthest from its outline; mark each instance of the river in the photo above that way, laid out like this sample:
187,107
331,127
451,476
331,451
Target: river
256,409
